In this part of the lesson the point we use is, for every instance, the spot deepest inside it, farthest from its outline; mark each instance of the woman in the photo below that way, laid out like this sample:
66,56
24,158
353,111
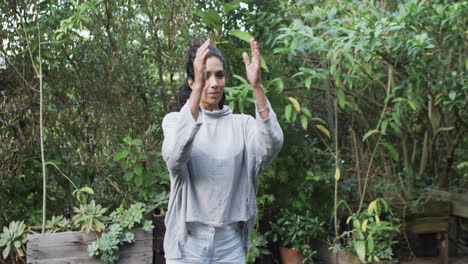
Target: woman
214,158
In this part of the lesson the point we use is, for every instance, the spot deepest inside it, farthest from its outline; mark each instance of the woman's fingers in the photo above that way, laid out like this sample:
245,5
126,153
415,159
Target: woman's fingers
199,64
255,52
203,50
246,59
204,56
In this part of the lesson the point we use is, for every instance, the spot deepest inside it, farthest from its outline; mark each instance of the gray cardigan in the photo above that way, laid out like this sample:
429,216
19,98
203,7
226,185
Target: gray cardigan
214,163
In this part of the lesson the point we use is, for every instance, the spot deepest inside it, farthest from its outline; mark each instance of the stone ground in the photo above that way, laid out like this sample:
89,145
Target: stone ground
461,260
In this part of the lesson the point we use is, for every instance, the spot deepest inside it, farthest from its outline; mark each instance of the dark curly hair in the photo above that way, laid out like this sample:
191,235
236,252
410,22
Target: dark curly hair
185,90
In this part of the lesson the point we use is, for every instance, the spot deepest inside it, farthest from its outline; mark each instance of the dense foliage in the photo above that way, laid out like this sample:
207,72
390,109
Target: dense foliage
372,97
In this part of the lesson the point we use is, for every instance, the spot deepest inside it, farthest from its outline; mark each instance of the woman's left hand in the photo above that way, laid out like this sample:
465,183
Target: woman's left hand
253,69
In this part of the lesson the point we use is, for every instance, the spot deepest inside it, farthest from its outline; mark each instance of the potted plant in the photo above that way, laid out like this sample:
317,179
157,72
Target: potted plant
294,233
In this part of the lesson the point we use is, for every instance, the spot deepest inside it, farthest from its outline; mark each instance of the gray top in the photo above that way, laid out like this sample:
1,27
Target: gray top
214,163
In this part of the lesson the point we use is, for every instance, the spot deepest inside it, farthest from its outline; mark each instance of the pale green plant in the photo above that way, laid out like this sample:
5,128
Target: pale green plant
13,239
90,217
57,224
258,244
119,233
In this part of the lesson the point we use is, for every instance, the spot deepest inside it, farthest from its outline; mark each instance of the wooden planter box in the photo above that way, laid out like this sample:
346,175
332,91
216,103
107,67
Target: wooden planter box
72,248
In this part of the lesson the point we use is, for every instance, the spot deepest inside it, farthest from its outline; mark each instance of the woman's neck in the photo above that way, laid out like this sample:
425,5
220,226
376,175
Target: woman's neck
209,107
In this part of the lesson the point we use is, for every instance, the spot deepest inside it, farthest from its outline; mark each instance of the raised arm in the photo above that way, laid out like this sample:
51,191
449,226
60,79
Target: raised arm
264,135
253,70
199,68
181,127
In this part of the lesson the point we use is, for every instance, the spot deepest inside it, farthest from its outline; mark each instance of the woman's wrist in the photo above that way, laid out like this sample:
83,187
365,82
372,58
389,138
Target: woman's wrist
197,87
257,86
262,108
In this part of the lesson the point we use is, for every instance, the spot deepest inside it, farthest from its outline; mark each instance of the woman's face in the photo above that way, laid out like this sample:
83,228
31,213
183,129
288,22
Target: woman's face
214,85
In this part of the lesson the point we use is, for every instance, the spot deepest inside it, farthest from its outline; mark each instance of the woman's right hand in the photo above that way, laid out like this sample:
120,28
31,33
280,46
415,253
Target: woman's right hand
199,65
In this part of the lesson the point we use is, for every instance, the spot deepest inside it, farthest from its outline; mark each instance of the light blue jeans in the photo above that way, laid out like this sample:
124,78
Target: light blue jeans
207,244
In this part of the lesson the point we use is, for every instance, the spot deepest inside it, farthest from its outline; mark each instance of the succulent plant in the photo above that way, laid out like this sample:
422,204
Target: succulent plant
107,246
13,239
90,217
57,224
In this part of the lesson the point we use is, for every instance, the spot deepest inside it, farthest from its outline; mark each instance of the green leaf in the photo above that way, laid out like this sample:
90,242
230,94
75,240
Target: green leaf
139,180
228,7
308,81
361,250
370,244
452,95
293,116
338,78
137,142
263,64
466,64
138,170
242,35
128,176
120,155
279,83
127,139
357,224
395,128
211,17
240,78
87,190
369,133
304,122
383,128
6,251
232,105
99,225
20,252
412,105
341,98
392,151
287,112
306,112
319,119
